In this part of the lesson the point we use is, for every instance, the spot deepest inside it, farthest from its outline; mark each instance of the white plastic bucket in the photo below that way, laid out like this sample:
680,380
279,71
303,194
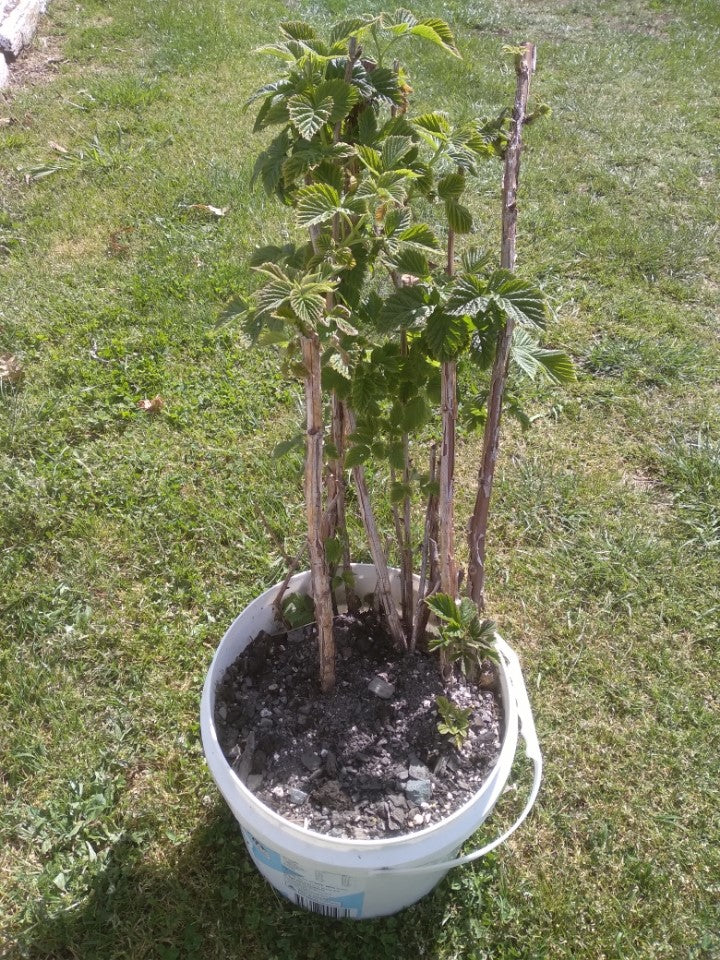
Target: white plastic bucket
359,878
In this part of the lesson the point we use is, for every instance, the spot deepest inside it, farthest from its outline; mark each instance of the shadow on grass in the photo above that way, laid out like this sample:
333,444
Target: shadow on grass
210,902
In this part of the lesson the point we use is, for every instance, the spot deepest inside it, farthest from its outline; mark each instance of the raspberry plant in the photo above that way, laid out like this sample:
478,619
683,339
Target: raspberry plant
371,303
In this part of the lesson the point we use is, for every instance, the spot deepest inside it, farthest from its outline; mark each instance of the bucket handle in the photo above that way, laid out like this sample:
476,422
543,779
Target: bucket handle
532,750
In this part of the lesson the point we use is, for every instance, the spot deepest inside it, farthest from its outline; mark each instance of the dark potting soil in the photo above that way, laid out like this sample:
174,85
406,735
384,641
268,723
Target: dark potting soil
367,761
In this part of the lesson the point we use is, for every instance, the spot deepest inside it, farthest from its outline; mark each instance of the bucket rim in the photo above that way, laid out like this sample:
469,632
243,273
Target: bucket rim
214,754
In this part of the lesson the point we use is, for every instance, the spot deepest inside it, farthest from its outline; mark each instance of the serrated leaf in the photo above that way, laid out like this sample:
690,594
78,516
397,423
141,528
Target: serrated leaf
458,216
533,359
352,281
469,295
343,95
283,85
438,32
394,149
268,165
317,204
482,348
266,254
397,220
273,112
333,551
307,298
332,380
444,607
404,16
451,186
280,50
364,391
238,307
298,30
307,116
415,413
331,174
419,235
397,492
475,260
298,609
403,309
369,157
308,305
307,155
411,261
273,295
367,126
432,122
445,335
385,85
518,298
357,456
388,187
345,29
338,364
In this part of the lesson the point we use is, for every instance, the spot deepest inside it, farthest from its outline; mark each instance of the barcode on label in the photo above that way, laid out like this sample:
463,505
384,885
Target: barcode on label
324,909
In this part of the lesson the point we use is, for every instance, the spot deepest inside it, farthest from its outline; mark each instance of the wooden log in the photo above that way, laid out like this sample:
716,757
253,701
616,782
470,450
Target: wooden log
19,25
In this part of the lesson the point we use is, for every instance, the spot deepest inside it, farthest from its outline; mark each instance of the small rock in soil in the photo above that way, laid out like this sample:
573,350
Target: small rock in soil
381,688
311,760
298,797
243,764
418,771
418,791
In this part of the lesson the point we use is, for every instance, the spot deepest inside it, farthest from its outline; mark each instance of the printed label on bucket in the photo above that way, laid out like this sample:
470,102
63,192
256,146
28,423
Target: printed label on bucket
324,892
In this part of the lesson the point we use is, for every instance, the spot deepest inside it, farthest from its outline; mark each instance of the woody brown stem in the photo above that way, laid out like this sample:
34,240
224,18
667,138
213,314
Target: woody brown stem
420,619
377,552
446,504
400,541
405,540
313,504
338,431
477,533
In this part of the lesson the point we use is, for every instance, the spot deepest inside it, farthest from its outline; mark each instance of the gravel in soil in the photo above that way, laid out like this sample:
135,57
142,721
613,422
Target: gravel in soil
366,762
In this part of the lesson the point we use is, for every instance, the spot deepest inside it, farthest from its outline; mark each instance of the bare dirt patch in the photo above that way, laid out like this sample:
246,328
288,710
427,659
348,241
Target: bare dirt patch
38,64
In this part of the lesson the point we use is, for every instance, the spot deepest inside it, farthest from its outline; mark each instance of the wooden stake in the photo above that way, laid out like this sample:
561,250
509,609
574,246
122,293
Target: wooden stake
313,505
477,533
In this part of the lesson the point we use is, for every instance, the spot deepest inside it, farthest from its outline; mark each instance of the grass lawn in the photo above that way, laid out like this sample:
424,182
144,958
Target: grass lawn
128,541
